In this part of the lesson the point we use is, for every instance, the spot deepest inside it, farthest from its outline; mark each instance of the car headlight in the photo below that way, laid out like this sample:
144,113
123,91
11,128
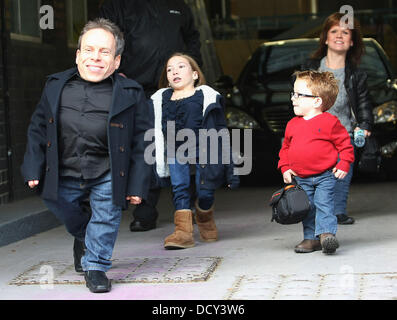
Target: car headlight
386,112
236,97
389,149
236,118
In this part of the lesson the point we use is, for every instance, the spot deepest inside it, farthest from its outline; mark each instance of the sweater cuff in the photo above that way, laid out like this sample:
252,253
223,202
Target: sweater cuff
284,168
343,165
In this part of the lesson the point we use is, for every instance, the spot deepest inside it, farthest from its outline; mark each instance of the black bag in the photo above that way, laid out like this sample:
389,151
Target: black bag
290,204
369,157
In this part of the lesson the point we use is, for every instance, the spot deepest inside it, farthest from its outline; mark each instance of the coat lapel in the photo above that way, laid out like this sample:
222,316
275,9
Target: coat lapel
54,88
122,98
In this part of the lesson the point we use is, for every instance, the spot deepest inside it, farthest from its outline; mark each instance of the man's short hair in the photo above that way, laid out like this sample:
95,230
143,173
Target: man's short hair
105,24
322,84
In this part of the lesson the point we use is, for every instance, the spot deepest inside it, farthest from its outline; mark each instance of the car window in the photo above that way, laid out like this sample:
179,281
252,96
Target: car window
377,73
273,67
281,62
372,64
282,58
268,76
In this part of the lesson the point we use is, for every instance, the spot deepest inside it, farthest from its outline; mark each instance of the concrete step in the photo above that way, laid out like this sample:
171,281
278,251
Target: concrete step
24,218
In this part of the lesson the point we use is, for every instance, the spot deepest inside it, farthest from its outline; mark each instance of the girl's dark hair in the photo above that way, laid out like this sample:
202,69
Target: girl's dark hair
355,52
163,82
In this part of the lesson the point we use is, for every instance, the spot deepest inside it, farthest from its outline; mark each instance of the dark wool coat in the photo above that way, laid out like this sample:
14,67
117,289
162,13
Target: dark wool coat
127,123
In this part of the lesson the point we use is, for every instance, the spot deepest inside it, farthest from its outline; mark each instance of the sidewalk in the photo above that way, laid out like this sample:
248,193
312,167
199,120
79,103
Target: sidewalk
253,259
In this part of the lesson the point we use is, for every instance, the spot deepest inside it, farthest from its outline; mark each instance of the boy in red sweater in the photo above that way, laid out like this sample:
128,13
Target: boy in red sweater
313,141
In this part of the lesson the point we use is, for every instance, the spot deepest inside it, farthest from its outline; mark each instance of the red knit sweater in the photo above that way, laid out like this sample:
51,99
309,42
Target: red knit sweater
312,146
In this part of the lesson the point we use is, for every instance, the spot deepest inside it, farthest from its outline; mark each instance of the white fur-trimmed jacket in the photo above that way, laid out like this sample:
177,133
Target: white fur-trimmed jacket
212,176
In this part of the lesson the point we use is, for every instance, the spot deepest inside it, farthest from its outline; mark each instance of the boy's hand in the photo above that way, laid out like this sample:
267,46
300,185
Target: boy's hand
339,174
33,183
134,199
287,175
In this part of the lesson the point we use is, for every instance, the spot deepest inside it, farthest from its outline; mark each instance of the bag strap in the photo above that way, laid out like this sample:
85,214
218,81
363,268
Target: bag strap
276,197
279,193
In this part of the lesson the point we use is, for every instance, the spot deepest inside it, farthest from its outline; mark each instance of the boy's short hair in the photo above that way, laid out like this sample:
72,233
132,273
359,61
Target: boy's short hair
322,84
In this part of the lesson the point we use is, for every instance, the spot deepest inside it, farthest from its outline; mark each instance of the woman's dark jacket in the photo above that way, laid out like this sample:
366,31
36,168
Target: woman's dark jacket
357,92
212,175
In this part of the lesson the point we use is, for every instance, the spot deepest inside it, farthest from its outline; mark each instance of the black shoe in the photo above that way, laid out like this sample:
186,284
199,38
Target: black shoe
344,219
78,252
97,281
136,226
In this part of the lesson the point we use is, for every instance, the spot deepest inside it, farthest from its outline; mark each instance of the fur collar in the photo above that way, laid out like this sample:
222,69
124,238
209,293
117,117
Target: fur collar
210,97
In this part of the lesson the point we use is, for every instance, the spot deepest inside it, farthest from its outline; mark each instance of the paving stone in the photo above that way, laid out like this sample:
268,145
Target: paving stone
365,286
132,270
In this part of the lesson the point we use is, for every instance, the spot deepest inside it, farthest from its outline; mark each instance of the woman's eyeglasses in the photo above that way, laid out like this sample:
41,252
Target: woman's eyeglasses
297,95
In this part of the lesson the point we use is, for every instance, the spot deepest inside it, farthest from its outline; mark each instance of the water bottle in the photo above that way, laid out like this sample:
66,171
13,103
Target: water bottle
359,138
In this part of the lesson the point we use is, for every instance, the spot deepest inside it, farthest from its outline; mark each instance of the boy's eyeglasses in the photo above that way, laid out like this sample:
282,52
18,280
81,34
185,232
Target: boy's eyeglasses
297,95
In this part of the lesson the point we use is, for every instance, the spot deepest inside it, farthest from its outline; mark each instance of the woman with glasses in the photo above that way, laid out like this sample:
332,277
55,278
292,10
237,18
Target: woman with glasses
339,51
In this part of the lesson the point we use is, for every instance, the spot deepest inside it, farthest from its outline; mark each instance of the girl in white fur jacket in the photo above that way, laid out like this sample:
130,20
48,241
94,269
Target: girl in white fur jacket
188,119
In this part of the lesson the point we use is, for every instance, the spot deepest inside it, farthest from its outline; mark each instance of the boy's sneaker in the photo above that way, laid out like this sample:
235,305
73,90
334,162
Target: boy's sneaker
329,243
344,219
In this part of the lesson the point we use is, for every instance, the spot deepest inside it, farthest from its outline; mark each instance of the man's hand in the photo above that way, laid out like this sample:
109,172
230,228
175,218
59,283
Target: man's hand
33,183
339,174
287,175
134,199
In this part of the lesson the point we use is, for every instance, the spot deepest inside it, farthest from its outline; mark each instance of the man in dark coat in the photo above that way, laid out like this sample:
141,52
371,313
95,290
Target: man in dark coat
86,139
154,30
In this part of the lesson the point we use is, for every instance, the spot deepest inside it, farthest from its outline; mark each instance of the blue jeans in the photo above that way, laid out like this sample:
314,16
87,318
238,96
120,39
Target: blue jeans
100,229
180,181
342,192
342,189
320,191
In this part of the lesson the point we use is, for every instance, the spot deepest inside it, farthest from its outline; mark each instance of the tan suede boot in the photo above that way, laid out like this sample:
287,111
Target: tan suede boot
206,224
182,237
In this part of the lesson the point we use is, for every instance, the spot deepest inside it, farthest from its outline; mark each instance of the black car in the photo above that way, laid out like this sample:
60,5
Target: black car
260,100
